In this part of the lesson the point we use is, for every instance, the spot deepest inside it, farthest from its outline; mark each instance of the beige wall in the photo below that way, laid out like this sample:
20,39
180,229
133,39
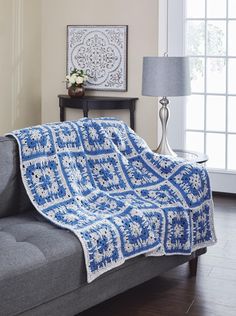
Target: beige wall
20,64
141,16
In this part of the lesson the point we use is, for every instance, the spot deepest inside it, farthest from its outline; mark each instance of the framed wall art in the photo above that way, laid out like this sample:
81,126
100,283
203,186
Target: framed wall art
101,51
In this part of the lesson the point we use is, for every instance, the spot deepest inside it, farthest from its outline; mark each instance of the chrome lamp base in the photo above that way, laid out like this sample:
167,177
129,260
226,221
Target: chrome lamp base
164,113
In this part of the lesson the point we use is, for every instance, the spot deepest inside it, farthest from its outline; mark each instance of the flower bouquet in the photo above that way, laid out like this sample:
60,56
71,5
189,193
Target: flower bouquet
76,81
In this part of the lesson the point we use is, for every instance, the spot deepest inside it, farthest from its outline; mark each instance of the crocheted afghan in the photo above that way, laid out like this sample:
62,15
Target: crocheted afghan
101,181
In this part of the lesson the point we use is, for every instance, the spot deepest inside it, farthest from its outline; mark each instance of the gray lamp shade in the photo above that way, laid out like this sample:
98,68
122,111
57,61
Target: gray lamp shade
166,76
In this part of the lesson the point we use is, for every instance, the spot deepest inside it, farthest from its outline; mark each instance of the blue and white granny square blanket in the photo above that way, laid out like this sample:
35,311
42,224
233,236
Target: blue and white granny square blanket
98,179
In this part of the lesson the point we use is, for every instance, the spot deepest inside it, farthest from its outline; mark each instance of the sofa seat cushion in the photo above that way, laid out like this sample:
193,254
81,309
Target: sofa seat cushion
38,262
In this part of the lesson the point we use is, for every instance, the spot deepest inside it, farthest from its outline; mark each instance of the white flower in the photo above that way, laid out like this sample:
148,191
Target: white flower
26,151
135,229
48,172
72,80
93,133
67,161
54,187
137,164
152,194
77,175
165,163
36,134
118,222
79,80
178,230
135,212
195,181
150,239
36,176
106,144
76,77
102,199
81,160
51,214
109,251
113,204
153,178
104,232
41,192
98,257
128,247
70,217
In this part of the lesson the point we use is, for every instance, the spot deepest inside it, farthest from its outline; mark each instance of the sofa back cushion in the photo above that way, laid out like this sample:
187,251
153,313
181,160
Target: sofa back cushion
13,197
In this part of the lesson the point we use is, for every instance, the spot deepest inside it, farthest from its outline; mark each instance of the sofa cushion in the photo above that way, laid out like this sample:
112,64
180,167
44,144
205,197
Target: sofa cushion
39,262
13,197
42,264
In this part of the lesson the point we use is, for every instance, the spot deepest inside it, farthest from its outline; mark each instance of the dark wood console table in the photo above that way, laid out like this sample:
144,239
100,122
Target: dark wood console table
87,103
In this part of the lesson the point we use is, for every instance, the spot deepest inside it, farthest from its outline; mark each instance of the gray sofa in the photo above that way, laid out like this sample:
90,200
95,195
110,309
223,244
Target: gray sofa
42,270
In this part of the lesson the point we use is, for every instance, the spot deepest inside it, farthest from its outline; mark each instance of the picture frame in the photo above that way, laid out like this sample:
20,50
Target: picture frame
101,52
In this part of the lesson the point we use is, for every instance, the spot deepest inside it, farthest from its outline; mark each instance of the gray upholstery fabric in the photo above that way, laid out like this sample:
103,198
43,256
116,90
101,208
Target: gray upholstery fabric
38,262
42,270
132,273
13,198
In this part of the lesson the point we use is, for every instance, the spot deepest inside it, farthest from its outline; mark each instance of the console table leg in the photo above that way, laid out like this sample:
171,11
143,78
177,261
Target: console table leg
62,114
85,110
132,108
193,266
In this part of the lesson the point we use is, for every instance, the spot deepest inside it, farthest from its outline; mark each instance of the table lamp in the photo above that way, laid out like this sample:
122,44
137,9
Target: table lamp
165,77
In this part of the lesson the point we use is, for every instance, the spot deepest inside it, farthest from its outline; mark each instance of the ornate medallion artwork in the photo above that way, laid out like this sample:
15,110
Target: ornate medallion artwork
101,51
